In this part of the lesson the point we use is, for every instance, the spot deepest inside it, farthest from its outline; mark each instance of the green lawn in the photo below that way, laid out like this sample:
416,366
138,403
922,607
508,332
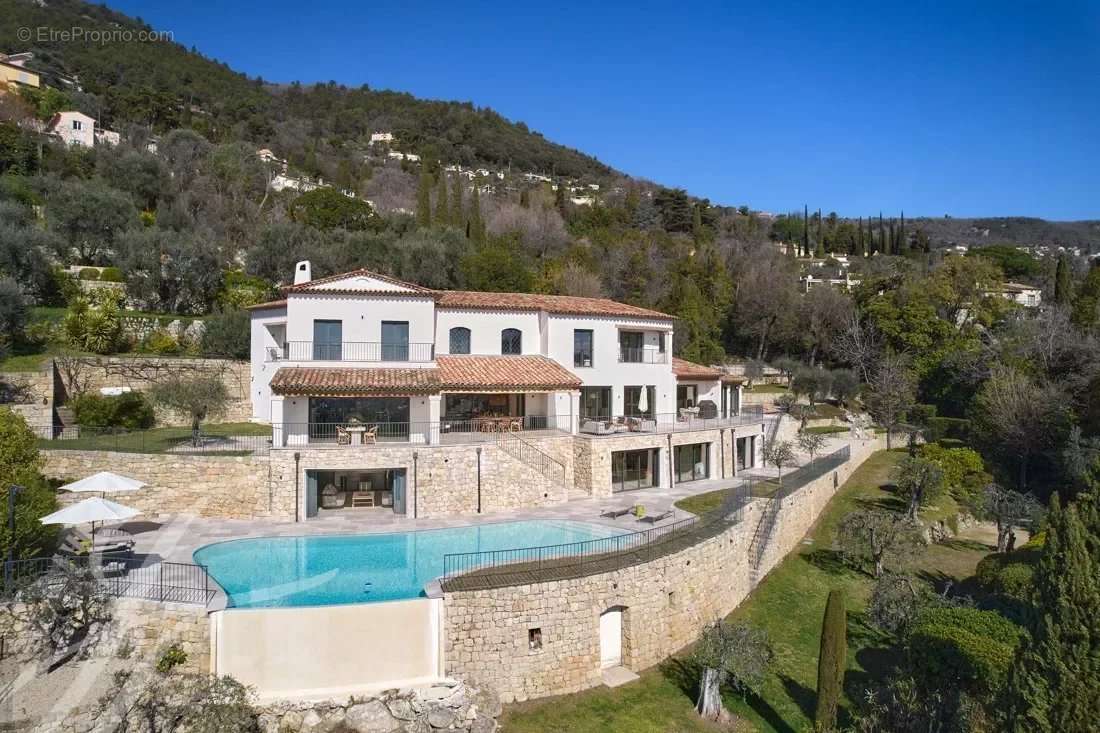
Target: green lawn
158,440
789,604
767,388
828,429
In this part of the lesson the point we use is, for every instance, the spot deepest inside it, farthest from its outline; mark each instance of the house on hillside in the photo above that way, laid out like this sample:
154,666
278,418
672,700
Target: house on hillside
1025,295
373,382
14,71
73,128
381,137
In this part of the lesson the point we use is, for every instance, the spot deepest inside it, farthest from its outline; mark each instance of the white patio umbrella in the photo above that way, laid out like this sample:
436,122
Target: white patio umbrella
95,509
643,400
104,482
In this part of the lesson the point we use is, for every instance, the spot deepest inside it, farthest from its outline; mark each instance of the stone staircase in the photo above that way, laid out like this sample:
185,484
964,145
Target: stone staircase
761,536
535,458
65,423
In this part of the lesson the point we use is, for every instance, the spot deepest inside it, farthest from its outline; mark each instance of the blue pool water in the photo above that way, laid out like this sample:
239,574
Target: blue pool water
333,569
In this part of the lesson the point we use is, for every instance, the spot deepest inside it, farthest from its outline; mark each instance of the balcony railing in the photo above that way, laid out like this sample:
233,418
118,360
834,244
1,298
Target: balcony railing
680,421
352,351
447,431
642,356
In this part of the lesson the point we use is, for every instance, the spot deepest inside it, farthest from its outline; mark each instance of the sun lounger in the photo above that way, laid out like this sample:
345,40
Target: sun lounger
654,518
616,513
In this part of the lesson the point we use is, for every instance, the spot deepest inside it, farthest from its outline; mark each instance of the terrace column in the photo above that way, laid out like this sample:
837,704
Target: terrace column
574,411
434,415
738,392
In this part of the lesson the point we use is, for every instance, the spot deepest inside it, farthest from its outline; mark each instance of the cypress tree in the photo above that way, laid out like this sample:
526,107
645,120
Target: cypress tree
1054,684
697,225
901,233
870,238
476,230
559,199
820,247
831,661
442,210
884,246
805,252
458,215
424,200
893,248
1063,284
525,199
861,249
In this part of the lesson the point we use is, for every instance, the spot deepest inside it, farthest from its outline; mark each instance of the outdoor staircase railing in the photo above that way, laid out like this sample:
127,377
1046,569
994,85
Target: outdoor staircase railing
532,456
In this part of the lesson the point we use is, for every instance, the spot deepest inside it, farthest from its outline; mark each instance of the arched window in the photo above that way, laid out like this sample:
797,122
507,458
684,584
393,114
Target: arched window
511,341
460,340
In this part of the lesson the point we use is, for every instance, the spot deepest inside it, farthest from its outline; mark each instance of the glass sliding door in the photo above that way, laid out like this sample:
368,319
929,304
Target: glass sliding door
596,402
395,340
632,397
633,469
389,414
692,462
328,339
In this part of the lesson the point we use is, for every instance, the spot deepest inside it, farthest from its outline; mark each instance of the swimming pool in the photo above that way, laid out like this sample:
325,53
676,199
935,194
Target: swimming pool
333,569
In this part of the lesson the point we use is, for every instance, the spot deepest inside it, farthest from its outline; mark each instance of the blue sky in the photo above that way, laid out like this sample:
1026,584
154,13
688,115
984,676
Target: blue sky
966,108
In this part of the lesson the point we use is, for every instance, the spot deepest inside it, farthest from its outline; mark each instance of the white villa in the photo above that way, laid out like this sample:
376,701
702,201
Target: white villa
1025,295
77,128
368,378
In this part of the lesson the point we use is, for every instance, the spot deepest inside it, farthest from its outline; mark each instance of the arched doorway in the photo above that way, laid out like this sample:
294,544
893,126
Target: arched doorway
611,637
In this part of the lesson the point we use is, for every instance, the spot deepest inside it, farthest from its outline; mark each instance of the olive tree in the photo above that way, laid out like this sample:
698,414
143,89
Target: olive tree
780,453
811,443
919,481
198,396
877,538
891,392
735,653
1006,508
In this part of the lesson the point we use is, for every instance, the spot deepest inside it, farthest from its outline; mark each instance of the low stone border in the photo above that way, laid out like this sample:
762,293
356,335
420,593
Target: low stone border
450,706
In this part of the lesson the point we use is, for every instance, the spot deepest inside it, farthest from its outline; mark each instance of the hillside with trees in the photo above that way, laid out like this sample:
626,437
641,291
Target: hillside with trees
322,129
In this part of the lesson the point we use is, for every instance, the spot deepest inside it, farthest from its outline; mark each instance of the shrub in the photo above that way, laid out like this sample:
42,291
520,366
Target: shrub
227,335
159,341
952,428
89,273
20,464
13,308
1010,574
111,275
963,645
129,410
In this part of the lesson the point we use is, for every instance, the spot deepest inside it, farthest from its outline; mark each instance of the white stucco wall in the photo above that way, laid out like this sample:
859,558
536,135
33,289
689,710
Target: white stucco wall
485,328
362,317
606,369
263,370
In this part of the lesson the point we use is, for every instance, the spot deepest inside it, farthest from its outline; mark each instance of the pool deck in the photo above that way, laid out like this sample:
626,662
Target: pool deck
175,537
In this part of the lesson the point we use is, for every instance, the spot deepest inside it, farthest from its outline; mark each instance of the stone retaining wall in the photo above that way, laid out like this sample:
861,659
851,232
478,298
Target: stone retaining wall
206,486
139,373
665,604
441,480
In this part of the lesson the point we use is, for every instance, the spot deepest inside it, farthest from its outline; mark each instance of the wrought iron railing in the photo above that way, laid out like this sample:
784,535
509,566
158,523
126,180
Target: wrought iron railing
211,440
531,455
122,577
680,421
352,351
578,557
633,355
530,564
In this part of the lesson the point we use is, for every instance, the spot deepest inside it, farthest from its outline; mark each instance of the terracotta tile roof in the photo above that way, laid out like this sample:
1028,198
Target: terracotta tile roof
269,304
512,373
562,304
453,374
311,286
732,379
689,370
350,382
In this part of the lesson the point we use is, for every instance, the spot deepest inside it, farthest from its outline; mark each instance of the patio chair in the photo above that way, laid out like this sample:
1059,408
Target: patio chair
106,537
659,516
616,513
343,437
370,435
